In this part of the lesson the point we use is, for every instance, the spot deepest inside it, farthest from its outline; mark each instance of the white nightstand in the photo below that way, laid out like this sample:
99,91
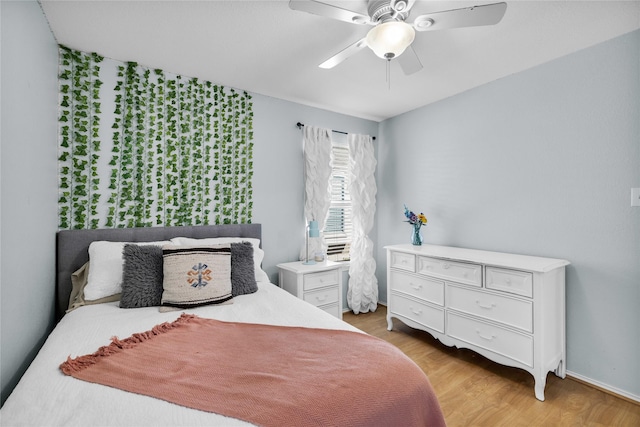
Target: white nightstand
319,284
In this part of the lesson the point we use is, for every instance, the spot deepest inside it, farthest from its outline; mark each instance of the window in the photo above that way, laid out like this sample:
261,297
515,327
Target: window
338,230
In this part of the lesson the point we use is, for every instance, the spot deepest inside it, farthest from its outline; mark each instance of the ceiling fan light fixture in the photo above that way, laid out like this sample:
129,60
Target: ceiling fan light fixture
389,39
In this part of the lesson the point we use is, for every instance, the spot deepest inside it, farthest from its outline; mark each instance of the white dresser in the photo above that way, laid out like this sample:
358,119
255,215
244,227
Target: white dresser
509,308
319,284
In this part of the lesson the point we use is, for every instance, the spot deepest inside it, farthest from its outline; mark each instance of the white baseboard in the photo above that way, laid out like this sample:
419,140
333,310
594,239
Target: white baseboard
604,386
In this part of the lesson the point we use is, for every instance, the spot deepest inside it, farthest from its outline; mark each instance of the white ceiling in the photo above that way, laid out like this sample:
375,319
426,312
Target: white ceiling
264,47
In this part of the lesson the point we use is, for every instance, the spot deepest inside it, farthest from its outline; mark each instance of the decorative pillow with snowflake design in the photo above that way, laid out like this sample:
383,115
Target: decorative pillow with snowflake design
196,275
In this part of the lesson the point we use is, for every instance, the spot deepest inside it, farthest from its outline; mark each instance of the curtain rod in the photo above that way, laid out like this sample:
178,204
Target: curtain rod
299,125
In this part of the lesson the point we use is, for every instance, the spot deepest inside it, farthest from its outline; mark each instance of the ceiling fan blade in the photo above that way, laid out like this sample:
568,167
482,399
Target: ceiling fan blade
409,61
475,16
329,11
344,54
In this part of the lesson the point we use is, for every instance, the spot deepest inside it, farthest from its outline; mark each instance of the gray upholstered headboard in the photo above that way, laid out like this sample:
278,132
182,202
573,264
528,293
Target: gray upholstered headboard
72,247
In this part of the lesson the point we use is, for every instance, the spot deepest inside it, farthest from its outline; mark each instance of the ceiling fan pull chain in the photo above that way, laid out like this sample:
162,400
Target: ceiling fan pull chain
388,74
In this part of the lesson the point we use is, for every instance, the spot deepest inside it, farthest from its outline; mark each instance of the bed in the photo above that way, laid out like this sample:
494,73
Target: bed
358,387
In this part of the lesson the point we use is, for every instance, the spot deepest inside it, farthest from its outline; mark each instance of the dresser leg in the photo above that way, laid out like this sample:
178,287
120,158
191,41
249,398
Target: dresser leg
561,371
389,323
541,381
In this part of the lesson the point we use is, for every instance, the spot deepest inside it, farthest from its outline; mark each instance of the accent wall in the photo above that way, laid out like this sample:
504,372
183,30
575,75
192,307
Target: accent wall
143,148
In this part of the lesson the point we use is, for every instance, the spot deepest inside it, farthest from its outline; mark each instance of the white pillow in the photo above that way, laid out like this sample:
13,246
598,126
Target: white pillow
105,273
258,254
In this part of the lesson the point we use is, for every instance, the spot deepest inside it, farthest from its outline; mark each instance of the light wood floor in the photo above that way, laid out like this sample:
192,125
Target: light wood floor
473,391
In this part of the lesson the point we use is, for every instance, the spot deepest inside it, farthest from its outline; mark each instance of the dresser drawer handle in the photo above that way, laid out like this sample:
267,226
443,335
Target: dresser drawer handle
404,261
508,282
446,266
487,307
416,312
322,298
416,287
484,337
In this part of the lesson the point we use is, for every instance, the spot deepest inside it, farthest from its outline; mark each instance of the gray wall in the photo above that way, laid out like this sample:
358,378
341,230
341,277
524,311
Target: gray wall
278,176
29,185
537,163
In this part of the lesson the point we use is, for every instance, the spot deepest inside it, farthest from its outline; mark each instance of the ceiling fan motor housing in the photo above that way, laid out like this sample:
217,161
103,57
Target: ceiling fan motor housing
387,10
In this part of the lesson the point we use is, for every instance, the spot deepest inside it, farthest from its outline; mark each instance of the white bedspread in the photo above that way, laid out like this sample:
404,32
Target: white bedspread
46,397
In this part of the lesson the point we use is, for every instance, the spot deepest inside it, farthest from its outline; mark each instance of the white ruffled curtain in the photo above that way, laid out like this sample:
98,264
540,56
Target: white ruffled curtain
317,175
362,295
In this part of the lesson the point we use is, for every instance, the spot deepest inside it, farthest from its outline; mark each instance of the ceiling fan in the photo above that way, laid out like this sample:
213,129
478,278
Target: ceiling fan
391,35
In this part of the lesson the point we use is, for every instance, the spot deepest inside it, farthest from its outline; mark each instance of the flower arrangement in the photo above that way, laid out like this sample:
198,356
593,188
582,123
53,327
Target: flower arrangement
416,221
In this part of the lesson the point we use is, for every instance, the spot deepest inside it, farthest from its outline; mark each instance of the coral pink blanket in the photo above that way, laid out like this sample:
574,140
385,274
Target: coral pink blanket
267,375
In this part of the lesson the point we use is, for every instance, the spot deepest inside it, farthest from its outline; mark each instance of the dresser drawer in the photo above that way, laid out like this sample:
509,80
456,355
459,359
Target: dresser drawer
424,314
515,282
420,287
403,261
499,340
509,311
322,296
320,279
470,274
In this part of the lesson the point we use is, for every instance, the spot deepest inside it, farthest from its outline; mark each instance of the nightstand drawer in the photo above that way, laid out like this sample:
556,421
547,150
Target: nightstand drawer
320,279
322,296
420,287
512,281
319,284
470,274
333,310
509,311
403,261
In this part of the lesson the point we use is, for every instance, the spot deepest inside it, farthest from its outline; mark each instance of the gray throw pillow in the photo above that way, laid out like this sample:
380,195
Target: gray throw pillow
142,276
243,277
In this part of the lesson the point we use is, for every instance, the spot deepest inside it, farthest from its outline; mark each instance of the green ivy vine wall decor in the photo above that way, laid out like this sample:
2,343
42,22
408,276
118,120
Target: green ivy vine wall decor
181,148
79,138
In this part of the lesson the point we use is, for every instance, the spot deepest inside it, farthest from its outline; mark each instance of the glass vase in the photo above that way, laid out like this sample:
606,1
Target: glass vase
416,235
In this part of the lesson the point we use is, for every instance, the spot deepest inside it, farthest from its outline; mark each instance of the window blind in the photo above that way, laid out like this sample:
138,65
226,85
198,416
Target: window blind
338,227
